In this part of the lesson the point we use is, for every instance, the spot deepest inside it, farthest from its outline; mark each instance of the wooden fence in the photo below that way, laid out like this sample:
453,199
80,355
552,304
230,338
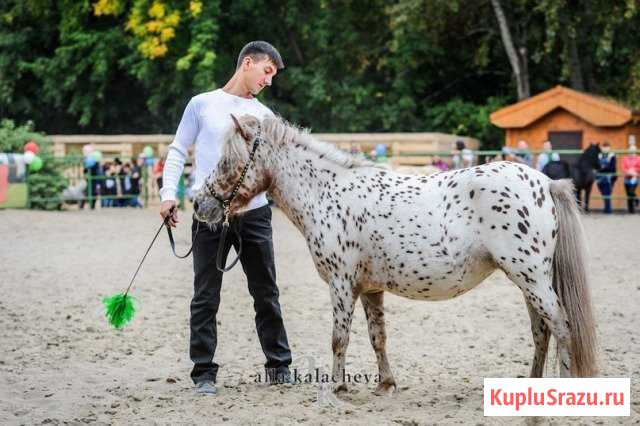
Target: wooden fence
400,146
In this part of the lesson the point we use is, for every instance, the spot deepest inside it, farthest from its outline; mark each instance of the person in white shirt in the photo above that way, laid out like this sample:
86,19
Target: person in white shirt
206,119
546,156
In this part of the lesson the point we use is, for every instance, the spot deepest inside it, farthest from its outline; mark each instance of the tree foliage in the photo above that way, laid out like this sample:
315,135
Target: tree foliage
113,66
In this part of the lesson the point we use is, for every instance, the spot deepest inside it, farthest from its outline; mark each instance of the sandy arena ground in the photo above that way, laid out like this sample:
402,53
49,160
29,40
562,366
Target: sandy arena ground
60,363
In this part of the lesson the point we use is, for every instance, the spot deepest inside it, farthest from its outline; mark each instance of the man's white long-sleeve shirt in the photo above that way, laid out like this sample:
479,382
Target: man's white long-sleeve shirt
205,121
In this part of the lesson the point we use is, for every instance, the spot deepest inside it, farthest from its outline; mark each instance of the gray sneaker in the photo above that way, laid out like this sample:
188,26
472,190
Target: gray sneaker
206,387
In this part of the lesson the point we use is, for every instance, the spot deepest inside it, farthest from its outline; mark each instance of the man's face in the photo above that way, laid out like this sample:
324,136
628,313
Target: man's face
258,74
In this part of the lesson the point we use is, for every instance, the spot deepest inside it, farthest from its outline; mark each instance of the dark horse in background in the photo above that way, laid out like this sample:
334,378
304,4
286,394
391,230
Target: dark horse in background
582,172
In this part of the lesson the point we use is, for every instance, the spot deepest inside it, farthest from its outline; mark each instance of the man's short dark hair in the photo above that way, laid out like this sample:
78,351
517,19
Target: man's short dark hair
257,50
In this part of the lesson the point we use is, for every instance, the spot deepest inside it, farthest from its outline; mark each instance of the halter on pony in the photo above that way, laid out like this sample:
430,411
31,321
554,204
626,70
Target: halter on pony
226,206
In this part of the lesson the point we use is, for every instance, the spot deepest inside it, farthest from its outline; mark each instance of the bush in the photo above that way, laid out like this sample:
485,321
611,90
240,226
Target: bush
46,185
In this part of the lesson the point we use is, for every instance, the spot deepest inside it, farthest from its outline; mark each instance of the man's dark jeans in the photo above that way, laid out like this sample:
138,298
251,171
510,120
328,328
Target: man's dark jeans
254,227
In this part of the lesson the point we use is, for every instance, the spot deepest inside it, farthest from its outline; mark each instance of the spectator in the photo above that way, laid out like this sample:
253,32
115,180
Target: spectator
523,154
136,176
125,176
131,185
606,176
508,154
158,169
546,155
93,174
631,169
110,189
356,150
439,163
462,157
118,175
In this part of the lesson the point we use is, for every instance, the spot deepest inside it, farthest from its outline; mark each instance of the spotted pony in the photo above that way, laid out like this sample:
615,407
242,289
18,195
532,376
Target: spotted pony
371,230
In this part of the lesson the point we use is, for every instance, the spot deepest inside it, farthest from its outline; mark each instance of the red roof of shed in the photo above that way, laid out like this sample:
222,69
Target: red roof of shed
593,109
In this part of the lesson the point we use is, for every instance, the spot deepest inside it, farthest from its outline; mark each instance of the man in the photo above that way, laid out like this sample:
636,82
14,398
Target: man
546,156
606,177
631,170
462,157
205,121
523,154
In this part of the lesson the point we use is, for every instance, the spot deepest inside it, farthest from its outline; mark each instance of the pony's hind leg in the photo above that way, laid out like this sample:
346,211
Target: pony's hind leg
374,311
541,336
343,300
539,293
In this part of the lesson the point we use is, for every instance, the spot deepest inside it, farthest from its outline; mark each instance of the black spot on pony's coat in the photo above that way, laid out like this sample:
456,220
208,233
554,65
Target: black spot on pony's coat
522,228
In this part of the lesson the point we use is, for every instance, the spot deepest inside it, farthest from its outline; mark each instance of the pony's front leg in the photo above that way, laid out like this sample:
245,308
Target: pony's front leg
343,300
374,311
587,195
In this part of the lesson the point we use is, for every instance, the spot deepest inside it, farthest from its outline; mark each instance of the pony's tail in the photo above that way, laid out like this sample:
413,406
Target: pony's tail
570,279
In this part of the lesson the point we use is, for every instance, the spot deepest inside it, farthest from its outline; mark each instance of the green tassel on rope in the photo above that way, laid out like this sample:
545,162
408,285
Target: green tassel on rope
120,309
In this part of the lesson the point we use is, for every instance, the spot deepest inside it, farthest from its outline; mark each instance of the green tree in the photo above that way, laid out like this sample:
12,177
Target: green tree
113,66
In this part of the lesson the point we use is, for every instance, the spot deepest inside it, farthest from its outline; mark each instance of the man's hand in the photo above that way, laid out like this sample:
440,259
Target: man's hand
169,208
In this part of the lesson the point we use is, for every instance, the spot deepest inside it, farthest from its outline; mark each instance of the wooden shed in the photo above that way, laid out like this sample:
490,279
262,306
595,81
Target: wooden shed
570,120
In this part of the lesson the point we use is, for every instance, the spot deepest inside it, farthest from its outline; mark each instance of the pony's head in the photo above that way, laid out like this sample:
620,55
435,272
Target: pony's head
240,174
590,155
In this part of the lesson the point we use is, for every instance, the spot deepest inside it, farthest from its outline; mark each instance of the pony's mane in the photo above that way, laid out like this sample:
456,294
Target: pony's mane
282,132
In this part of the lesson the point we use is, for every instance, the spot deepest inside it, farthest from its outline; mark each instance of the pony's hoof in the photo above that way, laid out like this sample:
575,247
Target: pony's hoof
384,389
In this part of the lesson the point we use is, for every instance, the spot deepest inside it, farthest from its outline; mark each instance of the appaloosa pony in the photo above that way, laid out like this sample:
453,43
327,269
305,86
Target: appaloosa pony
435,237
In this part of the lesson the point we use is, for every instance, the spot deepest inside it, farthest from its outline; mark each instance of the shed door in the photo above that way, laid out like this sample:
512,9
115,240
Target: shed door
567,140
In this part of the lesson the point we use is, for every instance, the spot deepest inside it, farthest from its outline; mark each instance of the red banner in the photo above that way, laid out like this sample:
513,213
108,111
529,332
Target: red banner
4,182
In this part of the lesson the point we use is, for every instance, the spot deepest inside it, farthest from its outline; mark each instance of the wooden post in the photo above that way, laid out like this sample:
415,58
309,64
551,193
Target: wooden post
127,150
59,149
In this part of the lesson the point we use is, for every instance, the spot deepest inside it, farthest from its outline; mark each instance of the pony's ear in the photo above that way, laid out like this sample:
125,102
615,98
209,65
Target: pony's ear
239,128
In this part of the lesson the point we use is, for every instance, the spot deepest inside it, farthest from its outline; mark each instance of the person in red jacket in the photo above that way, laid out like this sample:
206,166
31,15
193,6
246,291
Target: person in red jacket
158,168
631,171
